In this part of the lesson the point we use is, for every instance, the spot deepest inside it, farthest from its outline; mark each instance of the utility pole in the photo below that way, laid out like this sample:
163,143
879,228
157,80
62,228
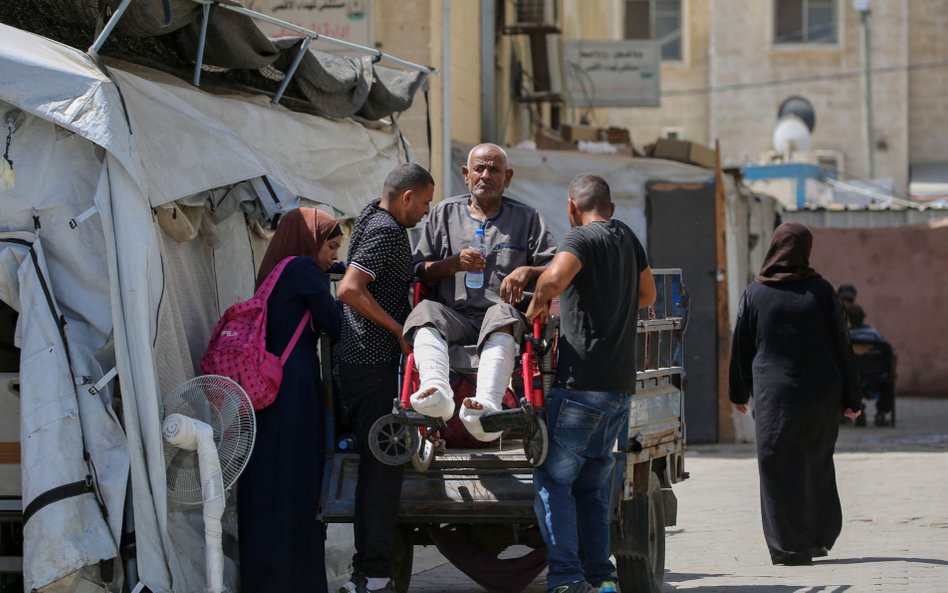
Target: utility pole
863,6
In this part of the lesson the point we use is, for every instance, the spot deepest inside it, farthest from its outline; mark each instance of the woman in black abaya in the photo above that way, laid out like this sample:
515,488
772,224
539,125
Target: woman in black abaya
791,352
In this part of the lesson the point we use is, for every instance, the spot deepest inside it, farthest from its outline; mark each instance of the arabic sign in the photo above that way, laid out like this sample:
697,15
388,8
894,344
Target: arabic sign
613,73
350,20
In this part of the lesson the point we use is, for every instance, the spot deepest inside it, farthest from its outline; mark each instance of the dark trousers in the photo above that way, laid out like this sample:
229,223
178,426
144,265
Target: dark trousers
368,392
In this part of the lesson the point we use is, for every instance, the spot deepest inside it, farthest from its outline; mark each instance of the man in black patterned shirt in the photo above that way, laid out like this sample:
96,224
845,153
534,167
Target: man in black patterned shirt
375,292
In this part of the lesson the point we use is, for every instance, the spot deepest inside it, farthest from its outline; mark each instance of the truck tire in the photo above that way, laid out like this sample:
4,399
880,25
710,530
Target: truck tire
640,550
403,554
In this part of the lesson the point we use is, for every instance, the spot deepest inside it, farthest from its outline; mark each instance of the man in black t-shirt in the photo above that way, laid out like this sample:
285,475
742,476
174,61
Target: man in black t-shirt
602,272
375,292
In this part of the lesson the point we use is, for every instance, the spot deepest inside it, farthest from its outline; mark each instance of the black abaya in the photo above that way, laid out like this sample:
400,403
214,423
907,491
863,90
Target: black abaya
281,542
791,352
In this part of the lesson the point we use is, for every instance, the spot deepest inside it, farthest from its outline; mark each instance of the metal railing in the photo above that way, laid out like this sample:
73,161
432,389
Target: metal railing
308,37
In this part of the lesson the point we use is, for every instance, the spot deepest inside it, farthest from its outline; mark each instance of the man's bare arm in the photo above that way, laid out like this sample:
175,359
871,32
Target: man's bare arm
354,291
647,292
467,260
553,281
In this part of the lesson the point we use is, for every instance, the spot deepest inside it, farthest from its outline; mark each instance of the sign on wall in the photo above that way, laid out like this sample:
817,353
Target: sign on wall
350,20
613,73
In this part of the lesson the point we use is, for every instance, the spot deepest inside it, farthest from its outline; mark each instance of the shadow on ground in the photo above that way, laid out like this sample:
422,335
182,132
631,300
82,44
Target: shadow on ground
674,579
878,559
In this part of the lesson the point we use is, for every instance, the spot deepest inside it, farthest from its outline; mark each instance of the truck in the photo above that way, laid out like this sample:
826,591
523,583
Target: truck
484,497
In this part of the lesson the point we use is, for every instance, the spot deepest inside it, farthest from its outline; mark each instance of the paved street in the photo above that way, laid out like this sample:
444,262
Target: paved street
894,488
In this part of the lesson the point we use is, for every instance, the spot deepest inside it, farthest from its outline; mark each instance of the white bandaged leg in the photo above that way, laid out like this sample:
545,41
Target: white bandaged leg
431,360
493,375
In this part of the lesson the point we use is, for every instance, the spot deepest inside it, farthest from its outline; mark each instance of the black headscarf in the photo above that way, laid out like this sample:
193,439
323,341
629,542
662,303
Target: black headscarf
788,259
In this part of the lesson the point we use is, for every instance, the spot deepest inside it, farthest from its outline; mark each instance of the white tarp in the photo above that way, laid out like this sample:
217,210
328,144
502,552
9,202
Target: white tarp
60,421
133,296
542,176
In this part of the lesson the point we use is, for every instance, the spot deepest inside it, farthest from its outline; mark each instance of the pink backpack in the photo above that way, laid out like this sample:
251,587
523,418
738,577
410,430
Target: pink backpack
238,345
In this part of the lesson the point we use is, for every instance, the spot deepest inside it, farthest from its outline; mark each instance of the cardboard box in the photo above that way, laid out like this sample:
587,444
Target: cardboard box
685,152
547,139
702,155
618,136
576,133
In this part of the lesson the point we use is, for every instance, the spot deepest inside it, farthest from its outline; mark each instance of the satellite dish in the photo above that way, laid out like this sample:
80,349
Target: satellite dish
800,107
791,134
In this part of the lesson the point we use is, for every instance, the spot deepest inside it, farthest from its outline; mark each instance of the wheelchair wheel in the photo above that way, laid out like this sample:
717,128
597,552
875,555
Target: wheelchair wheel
422,457
536,442
392,442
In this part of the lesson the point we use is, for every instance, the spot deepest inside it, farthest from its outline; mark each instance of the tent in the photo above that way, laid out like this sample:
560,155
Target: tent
139,210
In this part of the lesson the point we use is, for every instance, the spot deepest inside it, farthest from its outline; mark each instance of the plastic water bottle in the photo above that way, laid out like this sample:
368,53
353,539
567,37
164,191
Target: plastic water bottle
476,279
346,444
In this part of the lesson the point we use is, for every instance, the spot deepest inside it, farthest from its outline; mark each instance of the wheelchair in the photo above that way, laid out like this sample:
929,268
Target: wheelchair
875,363
406,435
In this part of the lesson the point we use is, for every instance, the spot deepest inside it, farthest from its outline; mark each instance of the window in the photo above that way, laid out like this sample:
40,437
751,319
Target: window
805,21
655,19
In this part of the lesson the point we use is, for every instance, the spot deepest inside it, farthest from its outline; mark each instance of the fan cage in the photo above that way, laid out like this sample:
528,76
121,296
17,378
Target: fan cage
223,405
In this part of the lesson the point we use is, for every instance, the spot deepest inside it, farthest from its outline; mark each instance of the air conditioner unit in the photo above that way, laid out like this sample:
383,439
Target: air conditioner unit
831,161
537,12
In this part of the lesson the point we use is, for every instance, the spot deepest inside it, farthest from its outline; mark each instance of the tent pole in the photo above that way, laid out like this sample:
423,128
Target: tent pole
100,40
379,55
289,73
196,79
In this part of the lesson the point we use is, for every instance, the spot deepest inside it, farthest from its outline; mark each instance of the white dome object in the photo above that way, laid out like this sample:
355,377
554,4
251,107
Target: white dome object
791,134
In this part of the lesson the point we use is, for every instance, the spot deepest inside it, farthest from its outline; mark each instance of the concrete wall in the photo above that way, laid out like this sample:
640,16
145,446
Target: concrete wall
413,30
603,19
897,273
404,29
928,110
743,52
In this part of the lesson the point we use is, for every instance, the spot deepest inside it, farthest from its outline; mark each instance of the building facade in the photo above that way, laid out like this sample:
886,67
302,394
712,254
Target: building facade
726,67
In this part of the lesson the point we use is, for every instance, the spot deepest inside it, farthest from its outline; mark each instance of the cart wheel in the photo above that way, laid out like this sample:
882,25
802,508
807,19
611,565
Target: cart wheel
392,442
640,551
536,443
422,457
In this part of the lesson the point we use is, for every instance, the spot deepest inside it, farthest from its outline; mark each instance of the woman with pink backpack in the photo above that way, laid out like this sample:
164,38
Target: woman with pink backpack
281,542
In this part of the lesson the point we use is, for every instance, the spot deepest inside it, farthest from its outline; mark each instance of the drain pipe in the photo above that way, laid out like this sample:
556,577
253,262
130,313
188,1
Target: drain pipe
446,98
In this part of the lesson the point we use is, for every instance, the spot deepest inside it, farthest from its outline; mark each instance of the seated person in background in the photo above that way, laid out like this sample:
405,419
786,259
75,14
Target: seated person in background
847,293
864,339
518,248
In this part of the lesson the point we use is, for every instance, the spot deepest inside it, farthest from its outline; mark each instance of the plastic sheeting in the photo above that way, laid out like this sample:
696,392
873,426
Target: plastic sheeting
236,51
128,289
541,177
60,421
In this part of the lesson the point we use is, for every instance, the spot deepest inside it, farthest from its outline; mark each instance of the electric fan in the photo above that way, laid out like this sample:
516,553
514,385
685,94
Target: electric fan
208,431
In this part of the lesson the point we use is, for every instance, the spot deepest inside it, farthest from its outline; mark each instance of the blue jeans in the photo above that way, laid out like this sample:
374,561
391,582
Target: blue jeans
572,486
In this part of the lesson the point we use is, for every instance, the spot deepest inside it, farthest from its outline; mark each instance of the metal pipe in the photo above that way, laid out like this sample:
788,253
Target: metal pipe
867,93
116,16
446,97
314,35
199,61
289,73
488,74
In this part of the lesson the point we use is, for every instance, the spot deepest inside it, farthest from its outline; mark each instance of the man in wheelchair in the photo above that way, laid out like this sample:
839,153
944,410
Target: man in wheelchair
875,359
518,248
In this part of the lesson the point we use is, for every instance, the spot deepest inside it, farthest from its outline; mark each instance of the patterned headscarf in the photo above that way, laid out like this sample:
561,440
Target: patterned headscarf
788,259
300,232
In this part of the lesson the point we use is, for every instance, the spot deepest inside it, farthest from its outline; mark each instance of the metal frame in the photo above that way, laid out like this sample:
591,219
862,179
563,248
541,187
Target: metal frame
308,37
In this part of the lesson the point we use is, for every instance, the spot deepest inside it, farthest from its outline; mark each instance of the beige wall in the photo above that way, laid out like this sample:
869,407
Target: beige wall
928,88
602,19
404,29
412,30
743,52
